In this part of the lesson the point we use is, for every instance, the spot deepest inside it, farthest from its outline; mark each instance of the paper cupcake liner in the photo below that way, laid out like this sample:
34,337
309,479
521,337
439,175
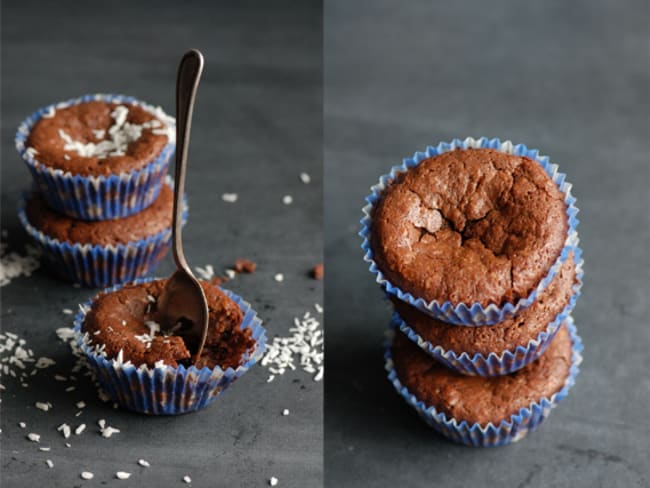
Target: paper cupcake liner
505,362
98,266
510,430
96,197
461,313
165,390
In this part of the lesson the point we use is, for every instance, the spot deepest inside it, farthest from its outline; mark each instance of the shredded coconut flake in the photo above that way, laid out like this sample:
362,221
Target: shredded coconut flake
305,344
65,430
287,199
13,265
122,475
34,437
45,406
108,431
273,481
44,362
49,463
87,475
305,178
229,197
144,463
205,273
279,277
187,479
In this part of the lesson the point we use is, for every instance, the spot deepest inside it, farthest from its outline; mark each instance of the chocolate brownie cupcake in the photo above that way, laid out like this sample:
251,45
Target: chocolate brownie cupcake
471,232
504,347
150,371
485,411
101,253
98,157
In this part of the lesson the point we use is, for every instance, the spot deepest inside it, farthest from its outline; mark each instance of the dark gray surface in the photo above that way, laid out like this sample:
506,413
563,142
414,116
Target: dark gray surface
257,125
570,78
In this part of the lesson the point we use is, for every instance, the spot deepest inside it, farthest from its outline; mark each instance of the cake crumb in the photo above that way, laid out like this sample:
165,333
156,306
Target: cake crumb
318,271
244,266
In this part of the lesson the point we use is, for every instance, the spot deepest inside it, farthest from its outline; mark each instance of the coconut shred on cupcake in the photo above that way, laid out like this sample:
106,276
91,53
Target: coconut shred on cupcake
99,138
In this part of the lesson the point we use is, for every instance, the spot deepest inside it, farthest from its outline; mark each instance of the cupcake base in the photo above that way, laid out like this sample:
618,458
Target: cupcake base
510,430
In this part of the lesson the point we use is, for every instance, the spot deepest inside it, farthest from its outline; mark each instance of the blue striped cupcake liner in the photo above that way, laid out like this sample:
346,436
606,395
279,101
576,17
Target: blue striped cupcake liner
505,362
462,313
163,389
96,197
98,266
514,428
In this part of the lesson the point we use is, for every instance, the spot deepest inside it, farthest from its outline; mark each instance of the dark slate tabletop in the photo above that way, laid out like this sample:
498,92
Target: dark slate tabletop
569,78
257,126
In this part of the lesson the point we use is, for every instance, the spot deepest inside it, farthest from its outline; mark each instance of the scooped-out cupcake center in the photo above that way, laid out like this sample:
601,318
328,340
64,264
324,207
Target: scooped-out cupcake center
125,324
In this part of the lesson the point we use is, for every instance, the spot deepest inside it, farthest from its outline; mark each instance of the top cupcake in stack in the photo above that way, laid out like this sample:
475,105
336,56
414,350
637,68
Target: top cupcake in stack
99,158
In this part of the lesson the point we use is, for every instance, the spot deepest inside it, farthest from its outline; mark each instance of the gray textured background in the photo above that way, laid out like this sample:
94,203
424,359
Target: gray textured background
570,78
257,125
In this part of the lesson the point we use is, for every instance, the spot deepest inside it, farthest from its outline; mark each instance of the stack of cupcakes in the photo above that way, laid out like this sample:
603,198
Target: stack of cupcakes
101,204
475,244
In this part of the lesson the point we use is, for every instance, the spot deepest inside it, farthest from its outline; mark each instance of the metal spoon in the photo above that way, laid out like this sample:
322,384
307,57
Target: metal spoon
182,306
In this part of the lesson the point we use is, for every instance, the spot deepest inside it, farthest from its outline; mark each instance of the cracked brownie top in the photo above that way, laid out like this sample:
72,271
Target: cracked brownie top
472,225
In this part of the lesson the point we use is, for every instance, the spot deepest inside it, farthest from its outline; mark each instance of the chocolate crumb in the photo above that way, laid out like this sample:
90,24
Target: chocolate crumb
318,272
244,266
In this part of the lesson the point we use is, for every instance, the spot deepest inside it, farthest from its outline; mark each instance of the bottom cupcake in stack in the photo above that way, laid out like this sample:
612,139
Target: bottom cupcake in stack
489,385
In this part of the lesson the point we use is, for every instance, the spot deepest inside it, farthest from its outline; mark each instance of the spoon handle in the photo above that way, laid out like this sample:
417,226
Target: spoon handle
187,82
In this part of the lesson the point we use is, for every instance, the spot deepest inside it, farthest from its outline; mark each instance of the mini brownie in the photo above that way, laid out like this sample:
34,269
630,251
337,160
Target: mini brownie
506,335
98,138
127,320
476,399
153,219
469,225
